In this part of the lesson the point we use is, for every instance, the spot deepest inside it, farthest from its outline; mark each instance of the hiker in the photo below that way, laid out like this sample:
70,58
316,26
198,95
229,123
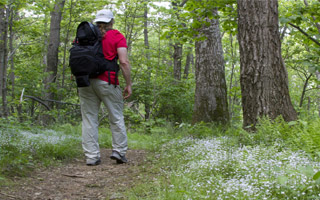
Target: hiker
105,88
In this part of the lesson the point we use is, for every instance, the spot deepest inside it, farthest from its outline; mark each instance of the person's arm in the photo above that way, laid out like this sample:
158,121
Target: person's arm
125,67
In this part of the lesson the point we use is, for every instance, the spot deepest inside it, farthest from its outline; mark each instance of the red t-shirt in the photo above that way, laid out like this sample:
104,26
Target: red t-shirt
111,41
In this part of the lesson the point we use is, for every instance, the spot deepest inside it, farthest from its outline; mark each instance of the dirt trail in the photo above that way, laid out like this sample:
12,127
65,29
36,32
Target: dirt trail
75,180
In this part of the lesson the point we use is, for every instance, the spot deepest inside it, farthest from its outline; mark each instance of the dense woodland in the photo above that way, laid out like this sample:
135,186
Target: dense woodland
218,61
225,104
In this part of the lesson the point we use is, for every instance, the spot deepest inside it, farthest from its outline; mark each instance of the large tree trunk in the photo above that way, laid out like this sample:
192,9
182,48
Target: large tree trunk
52,54
263,77
3,57
211,91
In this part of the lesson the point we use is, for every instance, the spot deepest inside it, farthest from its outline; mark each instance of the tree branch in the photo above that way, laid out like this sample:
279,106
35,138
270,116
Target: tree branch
304,33
182,3
49,100
38,100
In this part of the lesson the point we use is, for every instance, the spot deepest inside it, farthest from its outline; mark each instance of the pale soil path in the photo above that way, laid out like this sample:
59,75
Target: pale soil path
77,181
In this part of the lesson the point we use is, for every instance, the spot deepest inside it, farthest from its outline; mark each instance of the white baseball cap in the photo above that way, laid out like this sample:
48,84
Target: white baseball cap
104,16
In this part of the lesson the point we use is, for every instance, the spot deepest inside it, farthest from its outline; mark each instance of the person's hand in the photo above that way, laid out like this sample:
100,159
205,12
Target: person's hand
127,92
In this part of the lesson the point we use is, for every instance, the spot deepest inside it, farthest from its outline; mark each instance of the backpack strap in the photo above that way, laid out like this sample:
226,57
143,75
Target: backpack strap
93,29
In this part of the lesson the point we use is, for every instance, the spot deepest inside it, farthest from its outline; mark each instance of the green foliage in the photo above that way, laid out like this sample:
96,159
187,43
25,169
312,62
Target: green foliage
153,84
21,151
230,163
176,102
105,137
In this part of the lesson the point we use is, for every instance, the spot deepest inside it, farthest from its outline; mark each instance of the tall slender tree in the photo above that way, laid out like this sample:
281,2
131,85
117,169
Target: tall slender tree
147,47
3,56
177,46
264,79
53,48
188,63
52,54
211,91
2,47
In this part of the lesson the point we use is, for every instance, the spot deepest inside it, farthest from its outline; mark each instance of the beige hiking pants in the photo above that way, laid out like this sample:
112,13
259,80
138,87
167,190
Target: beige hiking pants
90,100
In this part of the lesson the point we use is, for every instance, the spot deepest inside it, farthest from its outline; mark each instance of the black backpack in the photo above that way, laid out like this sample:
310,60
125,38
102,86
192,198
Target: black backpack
86,56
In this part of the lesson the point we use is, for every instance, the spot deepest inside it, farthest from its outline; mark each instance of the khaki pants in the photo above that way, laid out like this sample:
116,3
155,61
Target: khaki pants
90,100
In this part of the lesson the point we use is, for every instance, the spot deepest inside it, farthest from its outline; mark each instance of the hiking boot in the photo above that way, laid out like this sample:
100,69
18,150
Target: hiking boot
116,156
94,163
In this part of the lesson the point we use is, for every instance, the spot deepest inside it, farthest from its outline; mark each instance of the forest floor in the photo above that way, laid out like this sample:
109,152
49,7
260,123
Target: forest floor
76,180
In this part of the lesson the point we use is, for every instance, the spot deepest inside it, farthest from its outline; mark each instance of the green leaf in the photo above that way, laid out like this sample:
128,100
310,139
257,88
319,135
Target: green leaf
282,180
316,176
292,123
308,171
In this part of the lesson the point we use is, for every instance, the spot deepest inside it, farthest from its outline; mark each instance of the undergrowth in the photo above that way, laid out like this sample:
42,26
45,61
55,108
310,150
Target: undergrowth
22,150
203,161
279,161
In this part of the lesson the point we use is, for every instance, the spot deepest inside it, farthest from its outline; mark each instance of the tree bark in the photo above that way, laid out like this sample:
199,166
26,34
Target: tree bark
177,60
177,47
318,78
211,91
52,55
263,76
53,49
66,44
2,47
188,62
147,47
231,102
13,14
305,85
3,57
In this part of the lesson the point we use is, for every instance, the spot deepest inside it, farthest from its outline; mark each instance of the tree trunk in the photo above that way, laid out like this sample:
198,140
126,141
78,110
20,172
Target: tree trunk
2,47
211,91
263,76
52,54
305,85
318,78
192,63
11,50
231,102
188,62
53,49
147,47
177,47
3,57
66,45
177,58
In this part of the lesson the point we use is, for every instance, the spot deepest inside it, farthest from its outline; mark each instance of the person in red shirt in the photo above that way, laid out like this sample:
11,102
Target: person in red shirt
106,89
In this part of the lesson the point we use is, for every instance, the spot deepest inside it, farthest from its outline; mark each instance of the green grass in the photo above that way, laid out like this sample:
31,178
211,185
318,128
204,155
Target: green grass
279,161
22,150
205,161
